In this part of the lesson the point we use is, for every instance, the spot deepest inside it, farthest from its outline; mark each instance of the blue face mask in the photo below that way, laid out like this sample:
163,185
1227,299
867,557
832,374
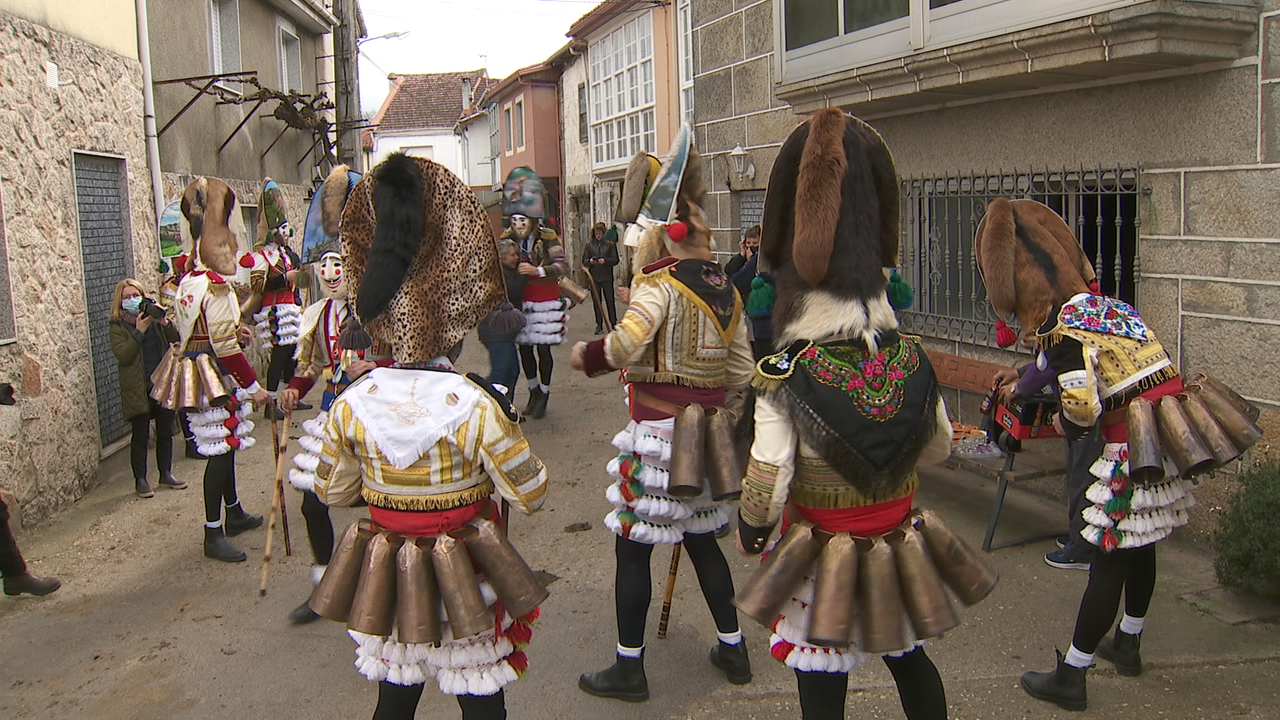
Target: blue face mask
131,305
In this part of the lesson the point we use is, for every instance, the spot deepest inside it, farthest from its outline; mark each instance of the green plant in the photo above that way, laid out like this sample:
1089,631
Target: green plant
1247,542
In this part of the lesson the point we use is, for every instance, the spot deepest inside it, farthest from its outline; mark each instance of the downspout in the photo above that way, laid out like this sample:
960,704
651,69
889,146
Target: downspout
149,114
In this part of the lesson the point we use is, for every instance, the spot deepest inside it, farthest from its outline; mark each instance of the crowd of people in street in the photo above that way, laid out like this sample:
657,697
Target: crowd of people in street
780,382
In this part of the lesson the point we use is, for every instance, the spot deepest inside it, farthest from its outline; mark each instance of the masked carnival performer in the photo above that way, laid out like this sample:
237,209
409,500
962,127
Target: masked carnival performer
273,269
542,261
208,316
1134,425
321,357
427,447
842,417
682,344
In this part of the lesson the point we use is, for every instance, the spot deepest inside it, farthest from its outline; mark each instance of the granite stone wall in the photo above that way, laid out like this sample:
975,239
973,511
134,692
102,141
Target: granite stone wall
49,441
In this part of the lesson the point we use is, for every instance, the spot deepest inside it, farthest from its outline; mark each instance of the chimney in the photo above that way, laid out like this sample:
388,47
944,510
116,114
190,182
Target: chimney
467,95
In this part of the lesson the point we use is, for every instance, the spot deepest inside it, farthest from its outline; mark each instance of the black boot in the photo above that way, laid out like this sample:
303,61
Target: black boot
540,410
1123,652
217,546
624,680
30,584
534,394
303,614
238,520
733,660
1064,687
193,450
143,488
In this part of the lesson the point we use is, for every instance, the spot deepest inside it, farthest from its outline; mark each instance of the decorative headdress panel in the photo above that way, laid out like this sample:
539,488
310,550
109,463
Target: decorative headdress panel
212,226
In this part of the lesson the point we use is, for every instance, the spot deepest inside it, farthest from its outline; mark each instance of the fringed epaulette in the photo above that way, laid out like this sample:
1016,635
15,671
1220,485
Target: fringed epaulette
774,369
503,402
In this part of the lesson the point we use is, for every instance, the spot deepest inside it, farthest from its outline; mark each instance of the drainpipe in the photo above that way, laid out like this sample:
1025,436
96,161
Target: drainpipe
149,114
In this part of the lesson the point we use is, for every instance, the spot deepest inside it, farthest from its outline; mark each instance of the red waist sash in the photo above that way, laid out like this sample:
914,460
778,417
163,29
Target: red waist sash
1119,432
411,523
863,521
541,290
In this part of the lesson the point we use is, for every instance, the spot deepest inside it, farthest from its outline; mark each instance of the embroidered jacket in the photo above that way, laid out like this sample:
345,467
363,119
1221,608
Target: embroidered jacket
207,318
425,440
838,426
267,267
683,327
1103,355
318,354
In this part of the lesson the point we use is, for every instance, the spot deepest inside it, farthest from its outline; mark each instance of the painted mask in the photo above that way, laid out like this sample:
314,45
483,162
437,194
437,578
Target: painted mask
521,224
333,282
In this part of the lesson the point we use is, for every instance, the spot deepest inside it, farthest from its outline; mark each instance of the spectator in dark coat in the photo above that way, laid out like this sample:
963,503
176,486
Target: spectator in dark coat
759,312
747,249
599,258
504,358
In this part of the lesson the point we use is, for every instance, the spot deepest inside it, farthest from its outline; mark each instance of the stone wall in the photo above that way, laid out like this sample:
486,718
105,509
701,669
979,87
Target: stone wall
49,447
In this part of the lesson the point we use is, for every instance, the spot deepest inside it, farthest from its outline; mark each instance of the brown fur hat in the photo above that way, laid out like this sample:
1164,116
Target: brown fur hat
830,216
420,257
1029,260
212,227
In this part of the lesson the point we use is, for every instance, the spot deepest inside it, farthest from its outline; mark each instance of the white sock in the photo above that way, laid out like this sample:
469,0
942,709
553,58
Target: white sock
215,524
1131,625
732,638
1078,659
546,389
533,383
627,652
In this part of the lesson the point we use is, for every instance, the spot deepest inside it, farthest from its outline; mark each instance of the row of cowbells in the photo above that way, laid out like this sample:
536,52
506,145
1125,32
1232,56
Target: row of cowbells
1200,429
179,382
868,585
380,580
702,455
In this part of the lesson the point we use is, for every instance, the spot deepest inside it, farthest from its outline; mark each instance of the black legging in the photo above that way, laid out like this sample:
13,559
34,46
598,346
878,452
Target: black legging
400,702
1132,572
604,295
219,485
142,434
539,366
281,366
319,527
822,695
633,585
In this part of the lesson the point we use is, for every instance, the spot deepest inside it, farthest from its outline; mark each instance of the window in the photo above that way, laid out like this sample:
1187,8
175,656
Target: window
584,125
249,213
622,95
506,128
495,146
940,217
225,35
290,56
684,20
8,326
825,36
519,115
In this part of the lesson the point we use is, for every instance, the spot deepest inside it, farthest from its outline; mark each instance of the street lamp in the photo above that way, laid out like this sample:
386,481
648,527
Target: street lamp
741,162
387,36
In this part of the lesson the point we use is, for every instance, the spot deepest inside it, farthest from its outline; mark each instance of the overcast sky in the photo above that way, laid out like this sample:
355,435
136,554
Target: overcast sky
451,35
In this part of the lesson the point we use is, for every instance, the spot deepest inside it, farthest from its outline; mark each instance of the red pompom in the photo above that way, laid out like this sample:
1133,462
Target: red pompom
1095,288
677,231
246,261
1005,336
780,650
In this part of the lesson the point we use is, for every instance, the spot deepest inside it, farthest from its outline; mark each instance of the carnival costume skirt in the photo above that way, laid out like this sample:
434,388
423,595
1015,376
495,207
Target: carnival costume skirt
220,430
456,608
545,323
303,473
835,601
643,511
278,324
1127,515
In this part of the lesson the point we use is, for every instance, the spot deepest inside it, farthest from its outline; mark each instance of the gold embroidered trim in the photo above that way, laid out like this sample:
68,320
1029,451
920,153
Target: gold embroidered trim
817,486
442,501
672,378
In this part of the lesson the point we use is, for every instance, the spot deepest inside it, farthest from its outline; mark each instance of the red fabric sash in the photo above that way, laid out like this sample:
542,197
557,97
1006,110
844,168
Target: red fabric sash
864,521
541,290
413,523
1119,432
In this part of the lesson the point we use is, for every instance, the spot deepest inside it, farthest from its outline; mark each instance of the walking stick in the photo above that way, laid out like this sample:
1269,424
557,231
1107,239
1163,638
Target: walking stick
277,502
282,444
598,298
671,591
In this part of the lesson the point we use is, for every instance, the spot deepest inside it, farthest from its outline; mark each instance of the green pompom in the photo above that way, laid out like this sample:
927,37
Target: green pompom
900,293
163,267
760,301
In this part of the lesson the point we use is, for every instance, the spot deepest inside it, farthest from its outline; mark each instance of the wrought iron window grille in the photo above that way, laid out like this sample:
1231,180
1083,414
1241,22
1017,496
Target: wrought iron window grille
940,217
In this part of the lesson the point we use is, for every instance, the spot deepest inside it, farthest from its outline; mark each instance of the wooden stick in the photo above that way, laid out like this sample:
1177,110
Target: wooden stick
671,591
598,297
277,498
284,509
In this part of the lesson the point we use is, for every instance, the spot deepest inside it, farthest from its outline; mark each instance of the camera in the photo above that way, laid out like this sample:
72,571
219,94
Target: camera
150,307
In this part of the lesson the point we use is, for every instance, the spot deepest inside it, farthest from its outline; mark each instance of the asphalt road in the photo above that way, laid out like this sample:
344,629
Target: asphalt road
146,627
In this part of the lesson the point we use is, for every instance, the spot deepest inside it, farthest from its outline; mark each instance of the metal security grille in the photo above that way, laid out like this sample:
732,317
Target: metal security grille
940,217
8,327
102,206
750,210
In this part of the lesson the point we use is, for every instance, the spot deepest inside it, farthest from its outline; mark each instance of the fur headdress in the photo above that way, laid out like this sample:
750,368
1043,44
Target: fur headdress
1029,260
524,194
830,229
273,221
212,226
320,233
420,258
672,210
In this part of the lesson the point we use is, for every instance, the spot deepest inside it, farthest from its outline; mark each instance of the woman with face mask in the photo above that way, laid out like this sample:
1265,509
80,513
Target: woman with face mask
140,334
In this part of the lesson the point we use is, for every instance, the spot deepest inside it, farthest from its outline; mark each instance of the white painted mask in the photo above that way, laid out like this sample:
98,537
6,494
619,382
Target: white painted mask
520,224
333,281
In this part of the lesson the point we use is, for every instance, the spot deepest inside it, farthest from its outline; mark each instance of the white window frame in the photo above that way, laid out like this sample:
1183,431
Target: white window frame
508,130
623,91
217,61
287,33
684,36
495,144
924,29
521,125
